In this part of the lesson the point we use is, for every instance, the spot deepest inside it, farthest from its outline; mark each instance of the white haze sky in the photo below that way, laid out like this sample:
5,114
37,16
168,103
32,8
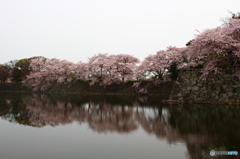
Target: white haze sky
75,30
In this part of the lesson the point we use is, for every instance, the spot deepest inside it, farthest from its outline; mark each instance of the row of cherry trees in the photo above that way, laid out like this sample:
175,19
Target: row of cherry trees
214,50
102,68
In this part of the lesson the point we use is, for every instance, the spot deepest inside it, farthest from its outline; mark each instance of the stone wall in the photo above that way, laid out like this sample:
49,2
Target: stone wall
189,87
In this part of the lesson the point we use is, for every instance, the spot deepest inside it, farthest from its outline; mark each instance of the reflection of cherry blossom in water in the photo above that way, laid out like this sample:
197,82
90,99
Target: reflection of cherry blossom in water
193,125
103,117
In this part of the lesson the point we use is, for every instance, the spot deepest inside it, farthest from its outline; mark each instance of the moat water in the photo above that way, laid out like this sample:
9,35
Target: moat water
60,126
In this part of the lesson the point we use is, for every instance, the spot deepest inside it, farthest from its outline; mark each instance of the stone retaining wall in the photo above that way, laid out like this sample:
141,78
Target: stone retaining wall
189,87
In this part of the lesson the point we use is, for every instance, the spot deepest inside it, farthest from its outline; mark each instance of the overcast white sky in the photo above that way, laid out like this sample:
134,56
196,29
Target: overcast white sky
77,29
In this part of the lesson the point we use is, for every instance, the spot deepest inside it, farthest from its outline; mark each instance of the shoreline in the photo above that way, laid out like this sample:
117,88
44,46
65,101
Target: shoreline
164,89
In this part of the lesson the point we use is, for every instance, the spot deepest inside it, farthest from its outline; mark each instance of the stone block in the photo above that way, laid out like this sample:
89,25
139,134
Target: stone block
237,90
186,92
199,84
224,95
230,94
179,94
213,94
205,92
195,88
193,82
219,81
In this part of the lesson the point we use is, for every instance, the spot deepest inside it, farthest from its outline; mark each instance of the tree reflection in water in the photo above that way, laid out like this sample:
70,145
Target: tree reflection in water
200,127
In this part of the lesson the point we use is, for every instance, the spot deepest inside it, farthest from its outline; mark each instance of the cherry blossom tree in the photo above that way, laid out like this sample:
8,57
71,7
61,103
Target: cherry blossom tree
36,79
79,71
217,49
98,67
157,65
107,69
126,66
47,71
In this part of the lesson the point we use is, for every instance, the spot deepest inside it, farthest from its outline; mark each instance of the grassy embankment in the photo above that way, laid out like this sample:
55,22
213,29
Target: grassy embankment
84,88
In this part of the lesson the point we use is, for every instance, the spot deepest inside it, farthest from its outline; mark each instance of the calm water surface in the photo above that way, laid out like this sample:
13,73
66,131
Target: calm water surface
54,126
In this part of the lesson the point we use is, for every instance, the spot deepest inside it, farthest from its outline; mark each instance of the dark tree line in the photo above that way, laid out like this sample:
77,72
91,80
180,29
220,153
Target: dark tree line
16,70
